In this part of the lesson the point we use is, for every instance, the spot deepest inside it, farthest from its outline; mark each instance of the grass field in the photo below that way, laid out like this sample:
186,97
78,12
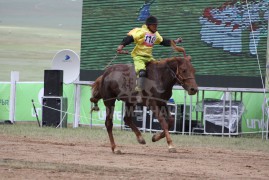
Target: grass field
30,50
32,32
31,53
83,134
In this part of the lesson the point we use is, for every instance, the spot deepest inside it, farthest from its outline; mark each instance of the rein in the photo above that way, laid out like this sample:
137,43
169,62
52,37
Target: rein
110,62
181,80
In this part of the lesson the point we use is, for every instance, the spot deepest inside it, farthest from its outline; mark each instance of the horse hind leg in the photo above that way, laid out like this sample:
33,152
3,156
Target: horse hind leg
109,125
128,121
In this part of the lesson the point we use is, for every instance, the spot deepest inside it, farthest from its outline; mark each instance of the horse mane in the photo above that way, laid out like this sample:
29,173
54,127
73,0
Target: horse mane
163,62
167,60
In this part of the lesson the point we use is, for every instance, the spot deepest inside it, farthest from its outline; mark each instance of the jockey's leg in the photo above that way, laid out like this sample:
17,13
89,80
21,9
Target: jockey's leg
140,69
141,81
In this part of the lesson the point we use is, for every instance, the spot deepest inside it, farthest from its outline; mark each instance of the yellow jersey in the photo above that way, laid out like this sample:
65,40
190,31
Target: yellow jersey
144,40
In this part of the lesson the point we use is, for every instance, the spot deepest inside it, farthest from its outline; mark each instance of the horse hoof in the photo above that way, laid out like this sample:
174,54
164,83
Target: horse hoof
141,140
153,138
117,151
172,150
95,108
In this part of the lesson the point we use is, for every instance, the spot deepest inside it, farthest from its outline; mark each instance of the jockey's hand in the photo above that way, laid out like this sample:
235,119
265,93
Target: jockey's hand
120,51
178,40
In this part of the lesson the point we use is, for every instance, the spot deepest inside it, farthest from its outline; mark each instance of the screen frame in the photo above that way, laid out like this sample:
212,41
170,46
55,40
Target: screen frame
202,80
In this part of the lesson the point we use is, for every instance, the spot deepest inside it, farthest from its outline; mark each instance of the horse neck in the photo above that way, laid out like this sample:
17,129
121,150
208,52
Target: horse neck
163,72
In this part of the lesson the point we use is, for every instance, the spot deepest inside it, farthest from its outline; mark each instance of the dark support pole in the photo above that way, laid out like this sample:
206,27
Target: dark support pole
196,115
36,113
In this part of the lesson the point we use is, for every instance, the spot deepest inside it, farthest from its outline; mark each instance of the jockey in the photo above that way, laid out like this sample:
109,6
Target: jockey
144,38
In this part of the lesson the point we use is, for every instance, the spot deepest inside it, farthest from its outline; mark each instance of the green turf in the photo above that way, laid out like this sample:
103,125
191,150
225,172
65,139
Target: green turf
84,134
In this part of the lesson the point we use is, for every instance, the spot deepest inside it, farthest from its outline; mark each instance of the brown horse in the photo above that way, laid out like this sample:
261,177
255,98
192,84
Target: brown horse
118,83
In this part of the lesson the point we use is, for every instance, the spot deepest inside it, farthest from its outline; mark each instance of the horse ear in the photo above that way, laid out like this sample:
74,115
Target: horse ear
188,58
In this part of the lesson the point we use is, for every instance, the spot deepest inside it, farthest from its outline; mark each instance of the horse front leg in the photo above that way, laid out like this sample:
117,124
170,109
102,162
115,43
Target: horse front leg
109,126
162,113
160,135
129,110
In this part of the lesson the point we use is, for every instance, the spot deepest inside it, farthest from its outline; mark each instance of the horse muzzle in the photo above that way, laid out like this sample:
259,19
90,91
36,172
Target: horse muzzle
192,90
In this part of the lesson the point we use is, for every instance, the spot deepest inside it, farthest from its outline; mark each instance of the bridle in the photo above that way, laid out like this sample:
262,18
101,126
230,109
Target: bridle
178,77
175,76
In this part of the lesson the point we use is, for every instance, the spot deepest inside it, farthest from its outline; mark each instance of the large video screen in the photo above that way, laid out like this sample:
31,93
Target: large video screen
227,40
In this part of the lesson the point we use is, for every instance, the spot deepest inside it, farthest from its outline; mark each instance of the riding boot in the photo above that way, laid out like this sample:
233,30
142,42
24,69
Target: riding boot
159,88
140,86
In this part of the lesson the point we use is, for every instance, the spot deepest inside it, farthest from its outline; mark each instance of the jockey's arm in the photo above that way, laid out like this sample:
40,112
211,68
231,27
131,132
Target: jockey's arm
126,41
167,42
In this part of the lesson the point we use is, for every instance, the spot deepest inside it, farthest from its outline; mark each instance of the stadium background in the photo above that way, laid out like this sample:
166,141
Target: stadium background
105,24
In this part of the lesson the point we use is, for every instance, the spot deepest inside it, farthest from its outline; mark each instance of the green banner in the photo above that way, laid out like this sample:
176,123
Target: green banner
97,118
4,101
25,93
252,117
251,120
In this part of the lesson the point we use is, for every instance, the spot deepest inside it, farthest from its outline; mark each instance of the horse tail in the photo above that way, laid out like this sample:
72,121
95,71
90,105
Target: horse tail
177,48
96,96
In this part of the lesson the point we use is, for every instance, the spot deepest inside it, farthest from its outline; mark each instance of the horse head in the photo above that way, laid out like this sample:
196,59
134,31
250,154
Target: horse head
185,74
